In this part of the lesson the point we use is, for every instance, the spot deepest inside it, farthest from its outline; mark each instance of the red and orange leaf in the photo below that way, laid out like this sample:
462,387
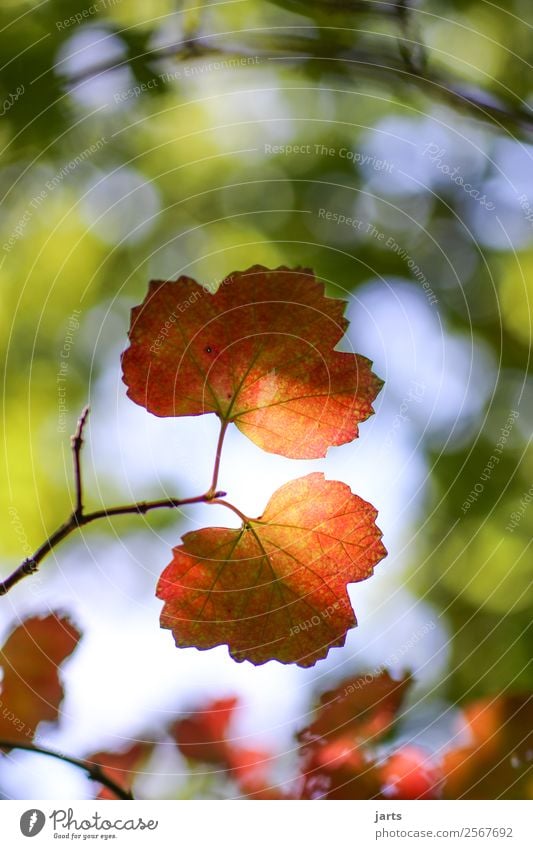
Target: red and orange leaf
121,767
202,735
31,690
276,588
259,353
361,709
498,760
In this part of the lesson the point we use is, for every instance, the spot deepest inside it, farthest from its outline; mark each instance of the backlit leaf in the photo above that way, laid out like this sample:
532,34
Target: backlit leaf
259,353
276,588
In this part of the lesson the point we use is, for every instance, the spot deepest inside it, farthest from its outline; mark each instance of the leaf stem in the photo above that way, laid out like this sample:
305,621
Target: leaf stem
223,428
217,500
94,771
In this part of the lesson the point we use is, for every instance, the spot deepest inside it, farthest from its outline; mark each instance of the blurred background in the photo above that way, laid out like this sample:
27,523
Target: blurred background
387,150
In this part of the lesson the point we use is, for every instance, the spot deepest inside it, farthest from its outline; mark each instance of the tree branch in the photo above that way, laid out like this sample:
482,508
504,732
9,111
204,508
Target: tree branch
409,65
389,68
77,442
94,771
78,518
410,45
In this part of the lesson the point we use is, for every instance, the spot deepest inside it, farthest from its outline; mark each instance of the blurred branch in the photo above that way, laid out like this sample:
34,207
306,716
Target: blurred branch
77,442
411,47
477,102
78,518
94,771
345,7
408,66
388,67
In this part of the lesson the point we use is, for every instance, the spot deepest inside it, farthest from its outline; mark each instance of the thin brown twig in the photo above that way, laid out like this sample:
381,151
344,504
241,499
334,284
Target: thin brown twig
77,442
94,771
31,564
78,518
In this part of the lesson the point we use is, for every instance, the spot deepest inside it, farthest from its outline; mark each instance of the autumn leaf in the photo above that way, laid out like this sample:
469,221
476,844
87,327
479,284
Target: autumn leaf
121,767
202,735
259,353
363,708
338,747
31,690
276,587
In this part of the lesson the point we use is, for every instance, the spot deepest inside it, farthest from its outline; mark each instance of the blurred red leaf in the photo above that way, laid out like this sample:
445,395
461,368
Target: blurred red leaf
203,734
339,769
411,773
362,708
498,760
338,754
259,353
251,769
121,767
276,587
31,690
